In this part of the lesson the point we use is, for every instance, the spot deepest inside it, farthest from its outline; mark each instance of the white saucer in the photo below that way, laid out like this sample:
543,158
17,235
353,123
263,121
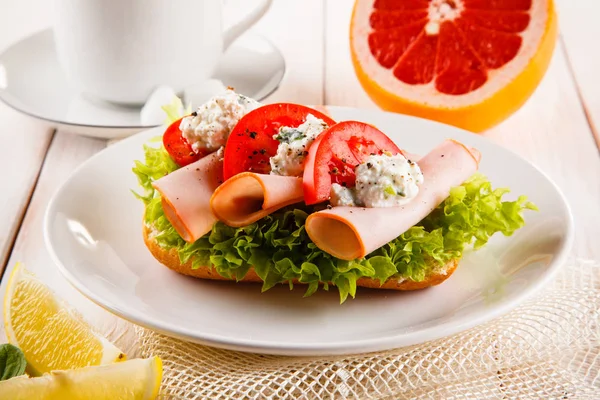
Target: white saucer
32,82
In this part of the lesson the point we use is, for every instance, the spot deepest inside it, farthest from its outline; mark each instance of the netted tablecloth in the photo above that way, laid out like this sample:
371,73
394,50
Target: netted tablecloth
547,348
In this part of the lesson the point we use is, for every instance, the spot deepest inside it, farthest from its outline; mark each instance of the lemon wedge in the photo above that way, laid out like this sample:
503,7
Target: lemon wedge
51,335
129,380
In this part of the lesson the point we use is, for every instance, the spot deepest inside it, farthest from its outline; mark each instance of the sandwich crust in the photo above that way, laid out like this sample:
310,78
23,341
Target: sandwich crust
170,259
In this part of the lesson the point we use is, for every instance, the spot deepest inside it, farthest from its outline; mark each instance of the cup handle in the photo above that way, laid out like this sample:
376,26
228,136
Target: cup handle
244,14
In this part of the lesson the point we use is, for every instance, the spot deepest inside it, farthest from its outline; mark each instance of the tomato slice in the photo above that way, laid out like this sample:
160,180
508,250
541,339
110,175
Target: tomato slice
178,147
251,143
336,152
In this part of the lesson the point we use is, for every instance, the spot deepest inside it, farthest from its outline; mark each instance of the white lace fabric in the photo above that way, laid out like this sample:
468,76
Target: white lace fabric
547,348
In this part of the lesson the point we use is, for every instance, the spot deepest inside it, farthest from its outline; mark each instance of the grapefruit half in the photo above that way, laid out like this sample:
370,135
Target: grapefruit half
468,63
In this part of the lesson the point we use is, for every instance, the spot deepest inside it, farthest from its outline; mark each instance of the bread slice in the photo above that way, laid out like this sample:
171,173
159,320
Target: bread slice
170,259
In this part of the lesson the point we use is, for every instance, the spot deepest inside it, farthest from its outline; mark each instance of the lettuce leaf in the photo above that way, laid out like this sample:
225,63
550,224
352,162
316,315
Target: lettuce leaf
175,110
280,250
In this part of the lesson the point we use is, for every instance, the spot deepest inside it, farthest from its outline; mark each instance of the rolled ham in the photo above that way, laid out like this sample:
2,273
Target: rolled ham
186,196
353,232
247,197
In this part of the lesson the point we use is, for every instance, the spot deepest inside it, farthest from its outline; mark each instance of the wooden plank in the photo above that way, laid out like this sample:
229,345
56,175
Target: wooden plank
24,142
550,130
301,44
65,154
341,85
24,145
579,31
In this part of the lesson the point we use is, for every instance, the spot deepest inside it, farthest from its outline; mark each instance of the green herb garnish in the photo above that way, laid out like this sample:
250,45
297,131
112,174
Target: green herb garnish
12,362
288,135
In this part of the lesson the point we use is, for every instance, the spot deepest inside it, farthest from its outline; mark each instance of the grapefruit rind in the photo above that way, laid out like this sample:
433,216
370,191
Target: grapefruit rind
476,111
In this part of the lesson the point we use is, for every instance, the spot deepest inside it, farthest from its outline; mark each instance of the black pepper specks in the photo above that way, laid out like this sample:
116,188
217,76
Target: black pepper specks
194,114
252,135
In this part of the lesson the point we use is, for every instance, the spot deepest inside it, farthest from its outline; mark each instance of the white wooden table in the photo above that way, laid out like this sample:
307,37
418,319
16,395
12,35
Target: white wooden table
558,128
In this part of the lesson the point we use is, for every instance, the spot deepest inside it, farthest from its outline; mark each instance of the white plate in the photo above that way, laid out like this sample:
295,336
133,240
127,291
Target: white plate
32,82
93,231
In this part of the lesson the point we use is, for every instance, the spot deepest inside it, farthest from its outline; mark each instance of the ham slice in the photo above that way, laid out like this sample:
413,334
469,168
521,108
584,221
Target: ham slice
354,232
247,197
186,196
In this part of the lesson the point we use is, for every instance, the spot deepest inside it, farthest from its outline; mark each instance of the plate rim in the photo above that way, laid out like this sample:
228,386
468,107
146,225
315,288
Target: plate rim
346,347
116,128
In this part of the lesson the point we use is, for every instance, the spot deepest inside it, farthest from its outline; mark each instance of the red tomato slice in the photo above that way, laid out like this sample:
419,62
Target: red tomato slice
251,143
336,152
178,147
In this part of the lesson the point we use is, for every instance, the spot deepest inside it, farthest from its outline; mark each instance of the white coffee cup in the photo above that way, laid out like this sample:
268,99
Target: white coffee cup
121,50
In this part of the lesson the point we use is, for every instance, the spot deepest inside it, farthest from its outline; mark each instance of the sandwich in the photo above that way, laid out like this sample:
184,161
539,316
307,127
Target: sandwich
283,194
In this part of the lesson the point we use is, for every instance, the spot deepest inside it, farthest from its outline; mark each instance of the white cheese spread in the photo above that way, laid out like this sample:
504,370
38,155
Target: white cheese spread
208,128
293,146
381,181
342,196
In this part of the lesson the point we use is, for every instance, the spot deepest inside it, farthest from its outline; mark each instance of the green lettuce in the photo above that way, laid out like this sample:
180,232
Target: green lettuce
280,250
175,110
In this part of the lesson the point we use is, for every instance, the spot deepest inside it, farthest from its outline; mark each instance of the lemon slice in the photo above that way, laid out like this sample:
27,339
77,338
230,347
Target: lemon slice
50,334
129,380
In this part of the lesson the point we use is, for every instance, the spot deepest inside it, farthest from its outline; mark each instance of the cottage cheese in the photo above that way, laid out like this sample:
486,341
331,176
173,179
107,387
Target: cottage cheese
293,146
342,196
209,127
381,181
